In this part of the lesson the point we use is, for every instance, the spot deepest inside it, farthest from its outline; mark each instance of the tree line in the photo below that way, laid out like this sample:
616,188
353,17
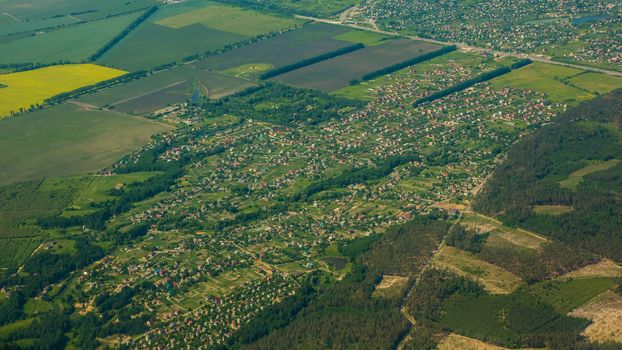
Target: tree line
309,61
410,62
99,53
470,82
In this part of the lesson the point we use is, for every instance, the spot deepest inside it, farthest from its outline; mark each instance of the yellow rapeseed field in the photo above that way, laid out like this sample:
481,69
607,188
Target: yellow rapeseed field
24,89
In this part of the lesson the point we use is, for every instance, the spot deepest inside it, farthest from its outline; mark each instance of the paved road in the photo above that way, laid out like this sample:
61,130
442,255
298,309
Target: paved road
466,47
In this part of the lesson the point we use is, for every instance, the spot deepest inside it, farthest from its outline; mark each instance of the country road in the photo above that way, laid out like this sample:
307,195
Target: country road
466,47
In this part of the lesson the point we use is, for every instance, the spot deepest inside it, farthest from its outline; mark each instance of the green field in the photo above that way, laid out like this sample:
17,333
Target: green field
61,45
596,82
551,80
552,209
575,178
94,189
229,19
46,143
363,36
568,295
152,45
506,319
32,10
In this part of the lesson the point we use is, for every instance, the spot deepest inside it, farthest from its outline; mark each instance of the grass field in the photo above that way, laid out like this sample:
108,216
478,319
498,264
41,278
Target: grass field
542,77
595,82
62,44
33,87
336,73
576,177
158,90
363,36
32,10
605,311
95,189
567,295
229,19
554,210
283,49
45,143
495,279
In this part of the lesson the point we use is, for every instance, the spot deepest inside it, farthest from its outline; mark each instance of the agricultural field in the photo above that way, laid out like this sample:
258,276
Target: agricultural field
59,45
561,84
23,11
25,89
164,88
170,35
336,73
292,46
229,19
44,143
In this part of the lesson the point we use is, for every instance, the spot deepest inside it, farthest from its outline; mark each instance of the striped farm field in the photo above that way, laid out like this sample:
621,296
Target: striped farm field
24,89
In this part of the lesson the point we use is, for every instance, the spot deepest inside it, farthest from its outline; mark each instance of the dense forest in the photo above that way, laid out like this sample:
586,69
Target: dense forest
562,165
